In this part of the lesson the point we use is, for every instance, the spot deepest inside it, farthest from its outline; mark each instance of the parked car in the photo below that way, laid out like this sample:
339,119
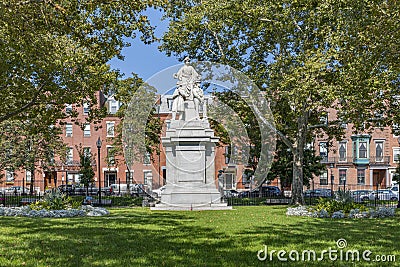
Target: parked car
79,190
249,193
395,189
107,190
158,192
124,189
16,190
320,192
357,194
382,194
263,191
270,191
229,193
66,188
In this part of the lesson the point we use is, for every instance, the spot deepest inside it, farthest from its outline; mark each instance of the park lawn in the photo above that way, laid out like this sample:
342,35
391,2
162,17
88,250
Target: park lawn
140,237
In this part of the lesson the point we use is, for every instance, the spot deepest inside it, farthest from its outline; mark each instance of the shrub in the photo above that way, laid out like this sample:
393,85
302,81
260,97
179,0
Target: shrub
126,201
342,203
55,200
344,197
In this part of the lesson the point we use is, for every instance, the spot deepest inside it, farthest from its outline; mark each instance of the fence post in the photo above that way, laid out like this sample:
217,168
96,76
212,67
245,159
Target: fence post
376,196
4,198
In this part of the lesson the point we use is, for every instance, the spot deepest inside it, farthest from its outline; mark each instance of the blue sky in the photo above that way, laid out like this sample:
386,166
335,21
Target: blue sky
145,60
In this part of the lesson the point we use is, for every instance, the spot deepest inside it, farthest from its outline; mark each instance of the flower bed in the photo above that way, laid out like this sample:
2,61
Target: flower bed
381,212
26,211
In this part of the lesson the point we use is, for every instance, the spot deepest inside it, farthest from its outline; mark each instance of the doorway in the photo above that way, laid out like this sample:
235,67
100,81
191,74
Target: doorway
379,178
110,178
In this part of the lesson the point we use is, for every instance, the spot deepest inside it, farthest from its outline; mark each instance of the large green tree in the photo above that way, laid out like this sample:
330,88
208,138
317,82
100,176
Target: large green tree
25,146
307,55
86,163
128,92
55,52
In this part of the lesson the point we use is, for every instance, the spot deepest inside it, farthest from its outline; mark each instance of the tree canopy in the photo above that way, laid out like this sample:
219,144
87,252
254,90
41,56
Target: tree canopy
307,55
54,53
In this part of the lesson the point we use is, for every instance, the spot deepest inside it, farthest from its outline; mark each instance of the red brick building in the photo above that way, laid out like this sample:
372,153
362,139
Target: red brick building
151,173
359,161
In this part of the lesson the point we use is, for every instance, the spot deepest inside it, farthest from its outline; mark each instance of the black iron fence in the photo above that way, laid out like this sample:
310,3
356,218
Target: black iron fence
367,195
19,199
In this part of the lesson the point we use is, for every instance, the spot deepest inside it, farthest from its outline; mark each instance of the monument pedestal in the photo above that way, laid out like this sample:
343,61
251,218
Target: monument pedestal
190,152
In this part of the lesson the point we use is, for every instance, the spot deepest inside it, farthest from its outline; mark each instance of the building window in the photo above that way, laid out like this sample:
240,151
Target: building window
110,128
396,129
110,155
342,151
113,106
342,176
324,119
28,176
170,101
323,178
379,151
361,176
229,181
323,151
68,108
147,159
362,150
9,176
87,151
70,178
86,108
146,177
86,130
227,154
70,156
68,130
396,154
129,177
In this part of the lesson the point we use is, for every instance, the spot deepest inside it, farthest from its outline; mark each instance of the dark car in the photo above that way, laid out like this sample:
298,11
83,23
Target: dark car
270,191
249,194
263,191
318,193
230,193
66,188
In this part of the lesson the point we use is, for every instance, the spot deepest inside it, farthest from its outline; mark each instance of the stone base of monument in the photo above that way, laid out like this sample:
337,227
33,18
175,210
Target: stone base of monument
199,197
189,146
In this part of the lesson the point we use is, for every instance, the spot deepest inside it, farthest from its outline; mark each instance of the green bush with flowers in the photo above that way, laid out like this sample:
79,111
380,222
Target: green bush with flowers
342,202
55,200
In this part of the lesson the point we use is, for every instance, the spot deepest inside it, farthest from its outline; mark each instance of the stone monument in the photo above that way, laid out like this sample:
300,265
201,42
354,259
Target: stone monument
189,146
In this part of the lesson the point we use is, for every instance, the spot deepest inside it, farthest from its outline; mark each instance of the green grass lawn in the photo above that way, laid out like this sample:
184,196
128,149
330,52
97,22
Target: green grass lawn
140,237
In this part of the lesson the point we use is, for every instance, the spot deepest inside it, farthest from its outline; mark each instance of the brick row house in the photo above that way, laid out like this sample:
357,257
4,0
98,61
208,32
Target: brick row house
113,170
358,161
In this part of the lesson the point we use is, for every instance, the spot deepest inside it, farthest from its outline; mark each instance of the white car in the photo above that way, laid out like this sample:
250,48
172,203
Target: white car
395,189
16,190
158,192
383,194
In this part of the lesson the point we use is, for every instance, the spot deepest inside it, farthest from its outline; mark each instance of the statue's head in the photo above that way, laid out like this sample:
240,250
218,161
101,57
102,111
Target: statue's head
186,60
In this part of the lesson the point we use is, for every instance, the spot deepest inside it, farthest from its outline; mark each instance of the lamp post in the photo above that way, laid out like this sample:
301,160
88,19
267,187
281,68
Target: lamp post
332,178
159,143
344,184
98,144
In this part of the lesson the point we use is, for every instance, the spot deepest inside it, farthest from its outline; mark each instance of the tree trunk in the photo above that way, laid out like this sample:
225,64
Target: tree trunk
32,181
297,185
298,159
